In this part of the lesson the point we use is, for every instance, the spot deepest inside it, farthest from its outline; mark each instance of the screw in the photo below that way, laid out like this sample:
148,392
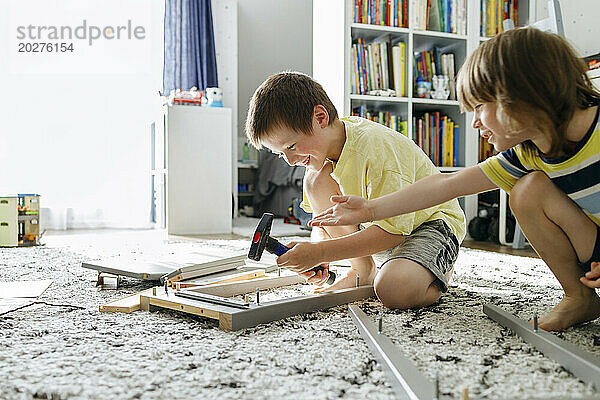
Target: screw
535,322
380,321
357,279
166,286
278,271
257,296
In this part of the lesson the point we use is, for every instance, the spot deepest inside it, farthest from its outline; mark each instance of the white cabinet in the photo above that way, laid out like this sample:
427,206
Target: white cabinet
199,170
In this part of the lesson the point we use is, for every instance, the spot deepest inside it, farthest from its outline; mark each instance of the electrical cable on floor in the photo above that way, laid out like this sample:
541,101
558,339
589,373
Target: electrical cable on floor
42,302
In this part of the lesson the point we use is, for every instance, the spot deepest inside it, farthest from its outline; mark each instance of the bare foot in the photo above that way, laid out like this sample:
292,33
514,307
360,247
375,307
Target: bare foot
349,281
571,311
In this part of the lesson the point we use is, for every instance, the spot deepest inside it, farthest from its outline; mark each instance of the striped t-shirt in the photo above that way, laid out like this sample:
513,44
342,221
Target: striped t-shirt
577,175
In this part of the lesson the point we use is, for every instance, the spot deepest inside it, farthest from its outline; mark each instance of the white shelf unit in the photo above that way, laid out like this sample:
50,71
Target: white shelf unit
200,170
333,32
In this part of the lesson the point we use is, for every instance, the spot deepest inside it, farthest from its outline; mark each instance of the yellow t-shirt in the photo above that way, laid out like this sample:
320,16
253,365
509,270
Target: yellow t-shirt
376,161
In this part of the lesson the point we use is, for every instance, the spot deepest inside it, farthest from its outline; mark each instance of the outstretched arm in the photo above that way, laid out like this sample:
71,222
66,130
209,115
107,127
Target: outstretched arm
428,192
303,256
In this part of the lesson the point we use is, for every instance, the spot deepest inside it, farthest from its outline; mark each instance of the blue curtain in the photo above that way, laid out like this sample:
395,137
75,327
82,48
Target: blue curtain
189,46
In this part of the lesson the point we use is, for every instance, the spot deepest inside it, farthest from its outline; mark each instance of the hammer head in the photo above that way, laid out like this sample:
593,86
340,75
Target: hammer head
261,234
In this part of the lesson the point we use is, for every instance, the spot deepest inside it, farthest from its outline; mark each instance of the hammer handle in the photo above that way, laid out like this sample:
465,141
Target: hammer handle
281,249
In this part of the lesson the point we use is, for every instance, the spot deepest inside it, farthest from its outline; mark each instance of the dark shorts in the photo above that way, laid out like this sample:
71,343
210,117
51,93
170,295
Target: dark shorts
433,245
587,266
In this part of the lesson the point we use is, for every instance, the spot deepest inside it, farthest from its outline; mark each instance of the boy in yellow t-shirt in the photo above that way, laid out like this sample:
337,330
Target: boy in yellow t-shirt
292,115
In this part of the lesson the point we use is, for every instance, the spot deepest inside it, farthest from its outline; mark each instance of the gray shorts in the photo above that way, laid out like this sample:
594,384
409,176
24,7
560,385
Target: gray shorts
433,245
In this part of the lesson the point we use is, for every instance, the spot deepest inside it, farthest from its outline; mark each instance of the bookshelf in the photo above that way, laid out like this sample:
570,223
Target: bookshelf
334,32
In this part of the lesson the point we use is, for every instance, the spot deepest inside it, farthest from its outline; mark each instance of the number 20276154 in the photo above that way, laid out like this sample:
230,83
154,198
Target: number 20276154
45,47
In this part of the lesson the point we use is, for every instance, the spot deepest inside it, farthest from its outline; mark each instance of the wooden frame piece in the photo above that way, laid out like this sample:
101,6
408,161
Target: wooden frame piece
203,269
125,305
404,377
233,319
236,277
582,364
231,289
131,302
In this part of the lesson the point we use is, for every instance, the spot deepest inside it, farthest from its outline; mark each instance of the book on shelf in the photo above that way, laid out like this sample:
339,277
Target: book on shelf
440,15
456,140
431,62
381,12
390,64
379,65
486,149
435,22
399,68
393,121
493,12
438,136
447,68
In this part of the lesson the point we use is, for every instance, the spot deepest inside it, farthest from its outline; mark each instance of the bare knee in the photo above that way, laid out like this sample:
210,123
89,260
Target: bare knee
527,192
403,289
311,180
319,186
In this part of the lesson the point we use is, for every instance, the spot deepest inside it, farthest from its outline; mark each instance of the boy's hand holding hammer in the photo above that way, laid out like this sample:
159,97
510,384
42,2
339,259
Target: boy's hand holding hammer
301,258
262,240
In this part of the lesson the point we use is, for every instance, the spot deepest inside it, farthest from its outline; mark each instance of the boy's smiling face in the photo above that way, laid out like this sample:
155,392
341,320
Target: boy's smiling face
297,148
311,151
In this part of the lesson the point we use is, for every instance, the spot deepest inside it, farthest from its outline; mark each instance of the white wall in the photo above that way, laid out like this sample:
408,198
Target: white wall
75,127
273,36
581,20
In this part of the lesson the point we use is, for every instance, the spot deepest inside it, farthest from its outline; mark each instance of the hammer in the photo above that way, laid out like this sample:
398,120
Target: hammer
262,240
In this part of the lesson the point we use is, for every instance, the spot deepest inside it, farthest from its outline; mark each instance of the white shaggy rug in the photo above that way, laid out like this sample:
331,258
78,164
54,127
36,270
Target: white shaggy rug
70,353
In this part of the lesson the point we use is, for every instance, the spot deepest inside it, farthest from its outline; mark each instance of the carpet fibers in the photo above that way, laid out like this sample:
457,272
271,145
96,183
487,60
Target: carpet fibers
61,352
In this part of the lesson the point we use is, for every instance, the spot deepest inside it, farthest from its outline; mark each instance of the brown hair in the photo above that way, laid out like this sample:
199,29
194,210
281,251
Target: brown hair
529,73
285,100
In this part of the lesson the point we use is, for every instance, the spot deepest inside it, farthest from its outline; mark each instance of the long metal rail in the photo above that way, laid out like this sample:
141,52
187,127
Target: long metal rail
580,363
405,378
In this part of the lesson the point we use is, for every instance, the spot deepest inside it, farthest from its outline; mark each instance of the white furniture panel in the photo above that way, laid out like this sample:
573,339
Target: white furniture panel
595,77
199,170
